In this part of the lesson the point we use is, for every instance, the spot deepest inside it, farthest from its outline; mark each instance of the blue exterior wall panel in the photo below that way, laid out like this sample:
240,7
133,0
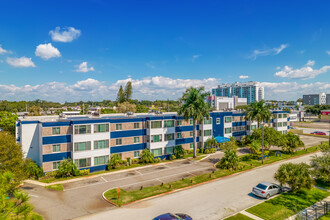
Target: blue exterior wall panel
56,156
128,133
56,139
125,148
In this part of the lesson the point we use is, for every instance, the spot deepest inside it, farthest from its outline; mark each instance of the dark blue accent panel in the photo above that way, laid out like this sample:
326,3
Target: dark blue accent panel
56,156
239,123
90,121
56,124
125,148
95,168
184,141
30,122
239,133
197,139
184,128
18,139
274,112
18,124
128,133
56,139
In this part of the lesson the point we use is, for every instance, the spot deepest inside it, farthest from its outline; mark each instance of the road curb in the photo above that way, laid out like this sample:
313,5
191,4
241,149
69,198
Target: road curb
220,178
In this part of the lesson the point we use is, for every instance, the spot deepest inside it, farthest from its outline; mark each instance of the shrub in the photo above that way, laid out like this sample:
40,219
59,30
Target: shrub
134,161
172,157
178,151
229,161
147,156
50,174
66,168
32,169
207,151
114,161
157,160
83,172
213,150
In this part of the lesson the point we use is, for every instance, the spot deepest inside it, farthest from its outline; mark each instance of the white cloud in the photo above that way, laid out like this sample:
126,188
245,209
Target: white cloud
292,90
278,68
195,57
243,77
327,52
20,62
151,88
83,68
268,52
306,72
47,51
3,51
65,34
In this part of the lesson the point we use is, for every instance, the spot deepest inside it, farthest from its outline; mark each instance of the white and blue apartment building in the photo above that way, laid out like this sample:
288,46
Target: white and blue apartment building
90,140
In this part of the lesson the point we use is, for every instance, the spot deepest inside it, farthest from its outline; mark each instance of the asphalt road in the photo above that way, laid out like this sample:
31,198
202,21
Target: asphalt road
85,197
310,130
213,200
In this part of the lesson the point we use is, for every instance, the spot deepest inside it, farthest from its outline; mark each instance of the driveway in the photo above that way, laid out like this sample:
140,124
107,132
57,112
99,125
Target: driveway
214,200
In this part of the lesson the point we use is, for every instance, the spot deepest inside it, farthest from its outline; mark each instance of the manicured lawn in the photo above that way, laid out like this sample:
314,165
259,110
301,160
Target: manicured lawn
239,216
287,204
58,187
325,217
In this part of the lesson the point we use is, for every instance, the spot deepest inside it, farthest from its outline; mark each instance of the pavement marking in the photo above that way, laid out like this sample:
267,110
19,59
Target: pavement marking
79,187
138,172
33,195
166,166
103,179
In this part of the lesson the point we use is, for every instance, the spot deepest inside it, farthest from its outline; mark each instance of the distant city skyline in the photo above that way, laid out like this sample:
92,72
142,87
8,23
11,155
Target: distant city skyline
86,51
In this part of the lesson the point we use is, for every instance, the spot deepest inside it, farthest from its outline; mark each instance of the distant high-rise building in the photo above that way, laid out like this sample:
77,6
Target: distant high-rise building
316,99
252,91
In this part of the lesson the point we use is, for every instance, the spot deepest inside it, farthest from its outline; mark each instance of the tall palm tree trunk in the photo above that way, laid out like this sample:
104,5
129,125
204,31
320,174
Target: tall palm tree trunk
194,137
262,143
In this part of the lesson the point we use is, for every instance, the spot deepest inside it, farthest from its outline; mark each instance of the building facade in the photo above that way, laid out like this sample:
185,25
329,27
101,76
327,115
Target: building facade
316,99
252,91
90,141
224,103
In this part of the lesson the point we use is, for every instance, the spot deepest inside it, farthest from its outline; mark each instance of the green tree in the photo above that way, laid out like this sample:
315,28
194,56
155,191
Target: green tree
35,110
211,142
66,168
321,164
126,107
114,161
128,91
194,106
297,176
32,169
142,109
121,95
229,161
292,142
271,136
11,156
254,149
178,151
259,112
8,121
147,156
228,145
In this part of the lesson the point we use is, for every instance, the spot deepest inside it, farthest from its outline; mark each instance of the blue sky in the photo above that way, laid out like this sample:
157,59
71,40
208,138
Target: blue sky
84,50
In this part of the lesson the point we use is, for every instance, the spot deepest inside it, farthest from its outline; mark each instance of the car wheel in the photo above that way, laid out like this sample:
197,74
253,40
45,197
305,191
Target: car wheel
268,196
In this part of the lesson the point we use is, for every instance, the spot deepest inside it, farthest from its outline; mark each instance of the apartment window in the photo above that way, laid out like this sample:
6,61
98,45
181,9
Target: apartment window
101,160
191,121
228,119
199,133
102,144
227,130
169,150
191,134
284,115
136,139
178,122
56,164
168,123
118,141
178,135
284,124
118,127
136,154
156,138
82,146
218,121
136,125
279,115
81,163
207,121
191,146
207,132
279,124
285,132
253,127
157,152
56,148
56,131
169,137
156,124
101,128
82,129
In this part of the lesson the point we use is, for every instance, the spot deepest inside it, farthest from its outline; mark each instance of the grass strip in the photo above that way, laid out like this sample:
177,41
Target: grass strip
245,164
58,187
239,216
322,184
287,204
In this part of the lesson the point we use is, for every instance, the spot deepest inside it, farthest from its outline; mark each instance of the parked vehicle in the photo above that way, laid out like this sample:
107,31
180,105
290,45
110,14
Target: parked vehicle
266,190
318,133
171,216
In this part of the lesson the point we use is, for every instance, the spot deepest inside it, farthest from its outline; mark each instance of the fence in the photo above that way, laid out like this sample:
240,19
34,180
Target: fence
315,211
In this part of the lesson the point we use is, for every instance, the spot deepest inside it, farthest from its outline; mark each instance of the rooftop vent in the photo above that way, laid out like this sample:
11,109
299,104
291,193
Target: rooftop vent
129,113
61,116
96,114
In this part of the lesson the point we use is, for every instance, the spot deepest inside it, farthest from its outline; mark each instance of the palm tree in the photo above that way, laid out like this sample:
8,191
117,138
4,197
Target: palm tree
259,112
211,142
193,106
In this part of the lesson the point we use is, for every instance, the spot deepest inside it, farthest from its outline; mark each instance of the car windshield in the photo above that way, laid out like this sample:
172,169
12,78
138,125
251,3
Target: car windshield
261,186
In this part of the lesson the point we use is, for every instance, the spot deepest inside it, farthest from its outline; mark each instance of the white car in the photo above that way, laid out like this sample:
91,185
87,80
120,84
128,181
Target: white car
266,190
